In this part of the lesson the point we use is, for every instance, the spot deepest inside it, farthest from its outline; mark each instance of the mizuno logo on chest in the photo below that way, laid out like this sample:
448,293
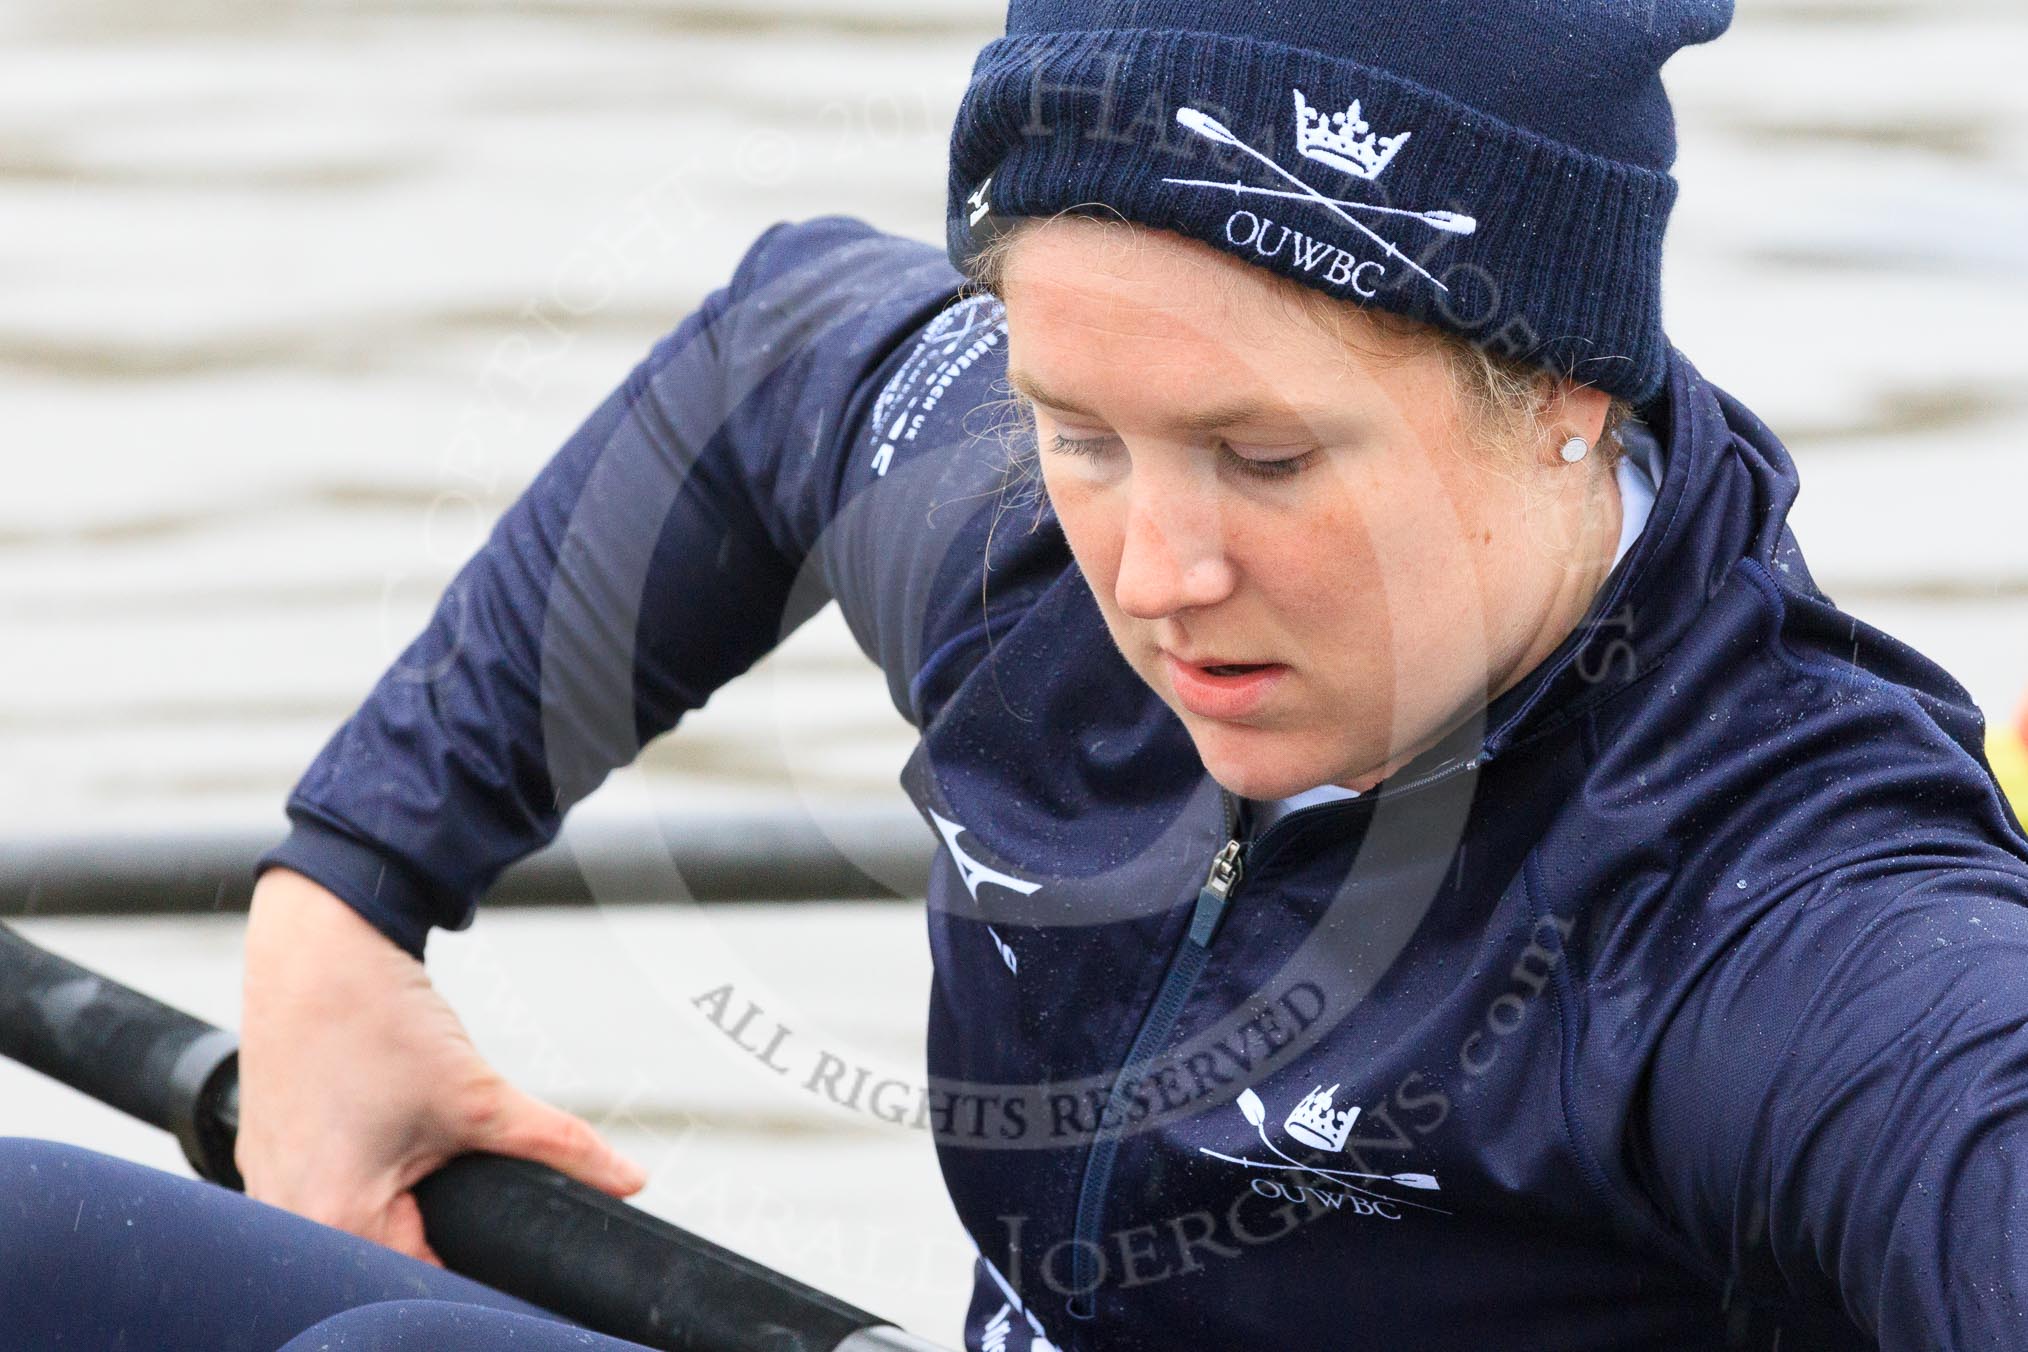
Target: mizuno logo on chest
971,870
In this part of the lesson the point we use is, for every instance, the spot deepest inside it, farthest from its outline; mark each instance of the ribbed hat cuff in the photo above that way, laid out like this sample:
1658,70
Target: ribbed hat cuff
1562,267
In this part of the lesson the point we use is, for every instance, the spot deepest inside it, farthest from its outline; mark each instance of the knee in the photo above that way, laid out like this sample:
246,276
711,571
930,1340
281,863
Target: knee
32,1150
34,1171
43,1187
438,1326
51,1193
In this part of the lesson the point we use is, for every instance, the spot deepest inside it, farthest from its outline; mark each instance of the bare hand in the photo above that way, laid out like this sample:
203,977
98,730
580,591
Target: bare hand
357,1080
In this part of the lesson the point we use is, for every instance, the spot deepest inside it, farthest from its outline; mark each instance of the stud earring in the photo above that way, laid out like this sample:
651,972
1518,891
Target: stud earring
1576,449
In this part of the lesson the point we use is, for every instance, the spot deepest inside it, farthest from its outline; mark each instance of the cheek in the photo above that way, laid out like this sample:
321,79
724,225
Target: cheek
1379,575
1341,552
1092,525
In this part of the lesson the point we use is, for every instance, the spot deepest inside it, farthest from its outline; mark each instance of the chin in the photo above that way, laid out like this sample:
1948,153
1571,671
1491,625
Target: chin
1256,764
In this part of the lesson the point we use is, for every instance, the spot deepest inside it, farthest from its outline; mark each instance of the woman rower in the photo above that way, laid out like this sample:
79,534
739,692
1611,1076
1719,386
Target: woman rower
1422,864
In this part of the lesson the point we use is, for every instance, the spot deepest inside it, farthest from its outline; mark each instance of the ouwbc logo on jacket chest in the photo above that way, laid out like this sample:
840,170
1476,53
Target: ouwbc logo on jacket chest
1317,1122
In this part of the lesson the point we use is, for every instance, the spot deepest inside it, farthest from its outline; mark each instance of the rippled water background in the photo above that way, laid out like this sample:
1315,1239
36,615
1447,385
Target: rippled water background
294,298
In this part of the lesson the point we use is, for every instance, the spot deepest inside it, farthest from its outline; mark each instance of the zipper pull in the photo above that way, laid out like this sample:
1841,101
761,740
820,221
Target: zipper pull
1225,874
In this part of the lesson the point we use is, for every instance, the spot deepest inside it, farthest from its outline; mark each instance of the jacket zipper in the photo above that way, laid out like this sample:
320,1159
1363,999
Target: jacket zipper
1227,868
1184,968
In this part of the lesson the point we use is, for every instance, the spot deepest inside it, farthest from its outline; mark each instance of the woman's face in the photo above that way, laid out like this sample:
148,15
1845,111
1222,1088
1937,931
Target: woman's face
1240,486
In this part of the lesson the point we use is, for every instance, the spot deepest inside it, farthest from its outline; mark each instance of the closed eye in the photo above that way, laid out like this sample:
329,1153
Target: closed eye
1285,467
1087,446
1099,447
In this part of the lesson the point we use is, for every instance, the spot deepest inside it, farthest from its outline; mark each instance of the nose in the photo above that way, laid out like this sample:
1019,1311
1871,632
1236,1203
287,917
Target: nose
1172,546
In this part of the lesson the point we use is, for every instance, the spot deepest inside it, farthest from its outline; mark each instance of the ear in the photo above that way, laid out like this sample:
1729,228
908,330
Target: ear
1577,407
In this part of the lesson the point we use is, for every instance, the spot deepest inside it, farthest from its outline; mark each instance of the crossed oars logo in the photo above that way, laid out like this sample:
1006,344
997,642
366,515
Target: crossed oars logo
1450,222
1256,1114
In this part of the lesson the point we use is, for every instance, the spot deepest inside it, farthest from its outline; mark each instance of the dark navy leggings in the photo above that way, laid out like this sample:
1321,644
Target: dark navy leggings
97,1253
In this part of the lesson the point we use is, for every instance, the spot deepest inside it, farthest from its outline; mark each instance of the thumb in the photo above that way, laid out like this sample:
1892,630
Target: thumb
401,1228
530,1129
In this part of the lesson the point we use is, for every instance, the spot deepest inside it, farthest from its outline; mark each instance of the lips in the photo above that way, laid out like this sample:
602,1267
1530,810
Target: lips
1211,662
1221,689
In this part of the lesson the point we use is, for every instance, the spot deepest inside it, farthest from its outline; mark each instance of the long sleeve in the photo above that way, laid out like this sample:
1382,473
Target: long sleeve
1840,1112
663,550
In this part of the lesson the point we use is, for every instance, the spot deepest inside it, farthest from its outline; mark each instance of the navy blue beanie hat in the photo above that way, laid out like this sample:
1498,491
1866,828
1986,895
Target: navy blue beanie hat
1497,168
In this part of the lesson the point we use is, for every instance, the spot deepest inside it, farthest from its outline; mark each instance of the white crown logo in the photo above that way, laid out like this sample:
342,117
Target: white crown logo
1344,140
1315,1122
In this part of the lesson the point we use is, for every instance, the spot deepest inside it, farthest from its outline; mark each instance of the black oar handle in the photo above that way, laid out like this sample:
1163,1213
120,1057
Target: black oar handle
124,1049
486,1215
519,1227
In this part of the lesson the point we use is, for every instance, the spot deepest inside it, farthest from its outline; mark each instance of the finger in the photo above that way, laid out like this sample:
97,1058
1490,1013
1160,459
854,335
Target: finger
401,1229
275,1186
531,1129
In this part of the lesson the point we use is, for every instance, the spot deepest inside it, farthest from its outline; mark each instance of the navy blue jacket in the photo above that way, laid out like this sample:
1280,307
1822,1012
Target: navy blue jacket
1677,1003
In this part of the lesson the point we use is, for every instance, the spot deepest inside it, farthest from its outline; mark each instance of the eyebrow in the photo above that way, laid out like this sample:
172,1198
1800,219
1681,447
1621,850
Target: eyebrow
1204,420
